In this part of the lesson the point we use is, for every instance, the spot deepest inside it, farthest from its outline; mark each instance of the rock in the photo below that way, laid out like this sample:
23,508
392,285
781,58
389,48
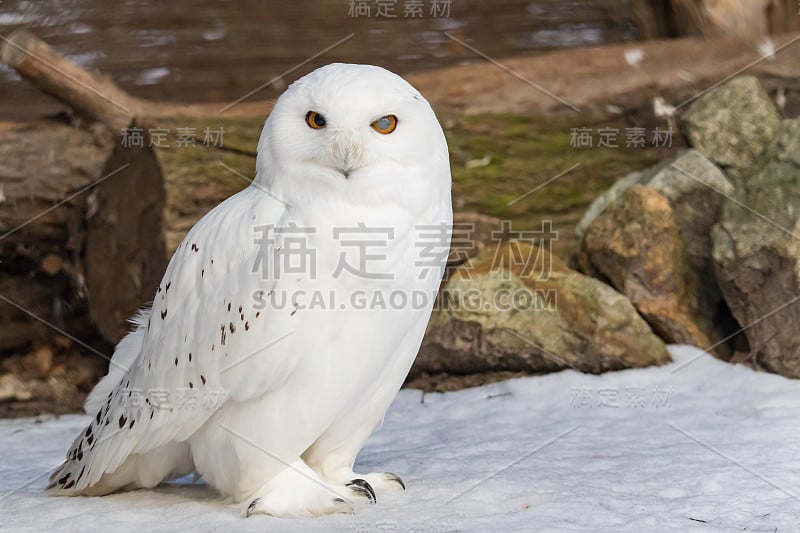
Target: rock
605,199
732,125
691,183
636,245
517,308
756,252
695,188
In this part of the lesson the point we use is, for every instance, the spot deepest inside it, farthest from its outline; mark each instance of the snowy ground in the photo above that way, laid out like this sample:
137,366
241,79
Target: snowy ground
706,447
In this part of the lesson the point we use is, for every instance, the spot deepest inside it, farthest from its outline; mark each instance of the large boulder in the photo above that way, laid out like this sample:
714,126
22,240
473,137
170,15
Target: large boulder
517,308
694,187
732,125
672,283
636,245
756,251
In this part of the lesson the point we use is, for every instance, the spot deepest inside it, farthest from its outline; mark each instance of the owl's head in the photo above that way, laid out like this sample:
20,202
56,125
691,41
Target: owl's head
354,132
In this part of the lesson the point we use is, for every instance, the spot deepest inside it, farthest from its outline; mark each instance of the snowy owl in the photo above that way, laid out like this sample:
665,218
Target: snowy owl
290,314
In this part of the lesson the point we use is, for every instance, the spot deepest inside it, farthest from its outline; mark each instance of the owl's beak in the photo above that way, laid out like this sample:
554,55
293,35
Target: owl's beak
347,153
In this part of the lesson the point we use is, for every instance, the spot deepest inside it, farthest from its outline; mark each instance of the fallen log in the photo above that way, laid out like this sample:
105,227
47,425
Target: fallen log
94,95
81,237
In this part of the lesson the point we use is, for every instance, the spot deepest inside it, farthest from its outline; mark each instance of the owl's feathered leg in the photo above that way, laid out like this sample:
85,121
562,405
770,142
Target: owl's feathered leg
334,453
335,465
298,491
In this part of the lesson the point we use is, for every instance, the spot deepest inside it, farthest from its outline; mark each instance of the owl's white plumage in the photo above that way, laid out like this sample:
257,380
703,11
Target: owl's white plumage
285,392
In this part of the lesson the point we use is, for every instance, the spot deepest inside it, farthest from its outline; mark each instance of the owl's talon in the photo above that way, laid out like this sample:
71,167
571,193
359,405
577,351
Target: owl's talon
251,507
362,487
394,478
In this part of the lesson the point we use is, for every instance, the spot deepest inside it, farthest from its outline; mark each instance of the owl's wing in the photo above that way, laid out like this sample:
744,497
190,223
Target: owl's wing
201,344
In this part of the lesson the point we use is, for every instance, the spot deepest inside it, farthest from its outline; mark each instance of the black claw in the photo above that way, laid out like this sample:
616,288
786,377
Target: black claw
396,479
361,485
252,506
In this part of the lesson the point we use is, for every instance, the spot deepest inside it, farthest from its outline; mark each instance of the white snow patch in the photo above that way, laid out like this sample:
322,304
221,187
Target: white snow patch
712,447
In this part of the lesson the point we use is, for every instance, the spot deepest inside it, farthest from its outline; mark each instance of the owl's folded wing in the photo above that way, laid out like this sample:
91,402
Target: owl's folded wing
194,350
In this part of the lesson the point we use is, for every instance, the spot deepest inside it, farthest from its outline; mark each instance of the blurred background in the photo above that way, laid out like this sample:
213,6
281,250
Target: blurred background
208,50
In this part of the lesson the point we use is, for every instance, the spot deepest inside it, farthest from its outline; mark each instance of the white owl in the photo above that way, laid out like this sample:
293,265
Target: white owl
290,315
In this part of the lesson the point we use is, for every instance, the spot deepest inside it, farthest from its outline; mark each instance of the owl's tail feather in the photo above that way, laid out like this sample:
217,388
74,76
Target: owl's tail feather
169,461
72,477
125,355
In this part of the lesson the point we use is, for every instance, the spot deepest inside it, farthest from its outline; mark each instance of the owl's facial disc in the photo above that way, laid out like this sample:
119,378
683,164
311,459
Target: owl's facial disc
352,130
345,151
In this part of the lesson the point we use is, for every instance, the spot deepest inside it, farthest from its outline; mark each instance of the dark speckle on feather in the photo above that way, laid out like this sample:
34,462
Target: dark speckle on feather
190,357
163,314
122,420
168,286
232,327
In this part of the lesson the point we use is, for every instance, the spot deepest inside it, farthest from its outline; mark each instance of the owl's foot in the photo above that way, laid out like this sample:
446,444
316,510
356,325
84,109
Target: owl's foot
299,492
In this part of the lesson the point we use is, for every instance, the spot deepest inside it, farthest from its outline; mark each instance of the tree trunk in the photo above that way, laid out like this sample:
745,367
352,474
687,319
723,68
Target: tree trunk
81,240
81,243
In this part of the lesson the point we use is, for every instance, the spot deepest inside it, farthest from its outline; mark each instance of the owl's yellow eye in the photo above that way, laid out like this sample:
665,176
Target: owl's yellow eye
315,120
385,124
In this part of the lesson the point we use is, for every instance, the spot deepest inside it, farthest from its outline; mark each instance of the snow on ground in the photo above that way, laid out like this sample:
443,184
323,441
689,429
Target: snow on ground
702,447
